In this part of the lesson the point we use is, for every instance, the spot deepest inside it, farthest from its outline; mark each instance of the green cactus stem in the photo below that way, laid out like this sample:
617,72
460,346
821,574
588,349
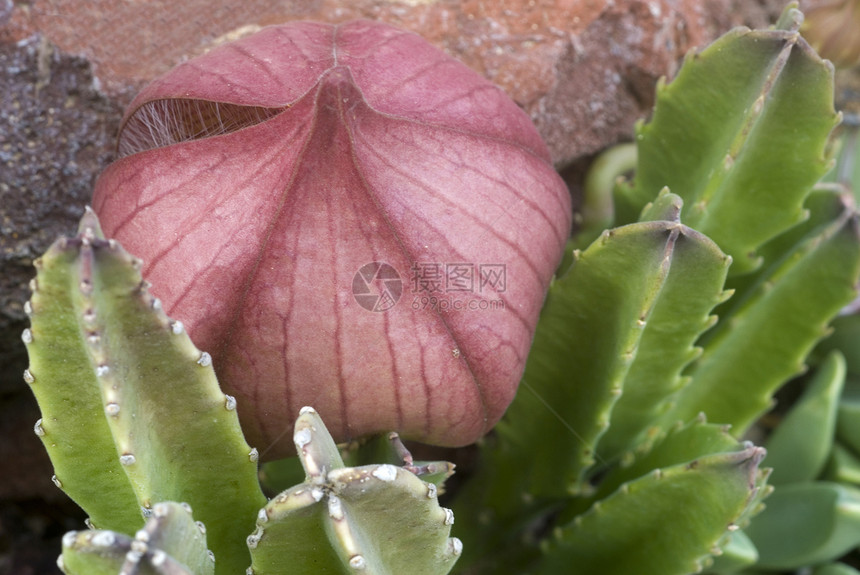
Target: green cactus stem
763,340
598,206
679,445
170,543
693,287
630,307
374,519
703,496
131,410
74,426
743,168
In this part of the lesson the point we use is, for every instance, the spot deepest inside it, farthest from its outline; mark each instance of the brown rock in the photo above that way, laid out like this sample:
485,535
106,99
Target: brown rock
583,69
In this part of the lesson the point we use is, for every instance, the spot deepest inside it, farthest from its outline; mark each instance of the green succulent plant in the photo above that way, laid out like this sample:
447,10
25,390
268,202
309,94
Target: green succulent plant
691,294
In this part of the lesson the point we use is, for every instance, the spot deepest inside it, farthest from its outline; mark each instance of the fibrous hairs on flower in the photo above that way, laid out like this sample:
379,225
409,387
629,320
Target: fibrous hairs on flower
170,121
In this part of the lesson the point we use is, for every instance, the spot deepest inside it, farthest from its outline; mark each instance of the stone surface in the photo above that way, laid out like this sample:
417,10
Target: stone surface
56,132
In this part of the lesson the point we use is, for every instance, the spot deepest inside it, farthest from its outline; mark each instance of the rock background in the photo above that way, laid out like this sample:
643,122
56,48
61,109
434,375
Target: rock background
583,69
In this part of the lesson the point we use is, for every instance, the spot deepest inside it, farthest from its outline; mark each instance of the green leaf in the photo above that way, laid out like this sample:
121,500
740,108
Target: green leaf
848,419
641,293
765,340
666,523
151,398
374,519
835,569
679,315
680,445
821,208
736,554
846,172
843,466
798,448
741,135
845,338
805,524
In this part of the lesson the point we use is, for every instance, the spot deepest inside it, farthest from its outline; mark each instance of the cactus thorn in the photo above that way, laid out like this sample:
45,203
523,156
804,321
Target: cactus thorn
302,438
456,546
385,472
335,509
716,551
229,402
254,540
158,559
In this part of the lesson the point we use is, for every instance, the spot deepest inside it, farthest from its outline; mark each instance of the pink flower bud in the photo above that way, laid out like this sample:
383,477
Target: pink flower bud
344,217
